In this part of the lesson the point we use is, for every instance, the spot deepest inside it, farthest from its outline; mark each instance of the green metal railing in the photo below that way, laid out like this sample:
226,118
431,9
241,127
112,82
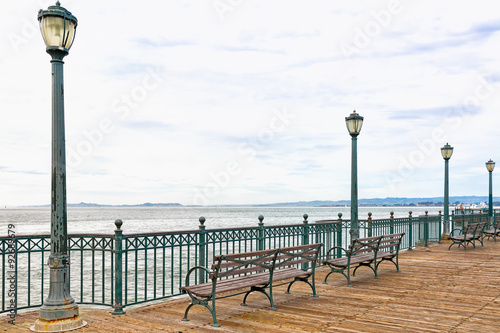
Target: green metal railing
122,270
460,221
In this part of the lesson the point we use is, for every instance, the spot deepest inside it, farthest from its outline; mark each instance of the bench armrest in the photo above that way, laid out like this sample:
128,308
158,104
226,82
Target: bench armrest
186,281
460,232
336,248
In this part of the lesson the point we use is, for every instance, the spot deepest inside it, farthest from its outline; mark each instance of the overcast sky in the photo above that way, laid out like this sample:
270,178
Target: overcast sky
242,102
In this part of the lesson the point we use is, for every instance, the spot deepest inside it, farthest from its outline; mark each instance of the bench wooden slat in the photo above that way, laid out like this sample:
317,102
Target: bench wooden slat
343,261
301,247
291,255
263,261
227,285
244,255
388,246
289,273
292,262
243,271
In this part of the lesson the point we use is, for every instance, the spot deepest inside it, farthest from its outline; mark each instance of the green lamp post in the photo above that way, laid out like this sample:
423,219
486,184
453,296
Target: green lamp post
59,312
446,151
354,123
490,165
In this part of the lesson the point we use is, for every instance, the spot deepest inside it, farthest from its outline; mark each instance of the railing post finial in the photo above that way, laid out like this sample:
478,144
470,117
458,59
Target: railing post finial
261,219
118,224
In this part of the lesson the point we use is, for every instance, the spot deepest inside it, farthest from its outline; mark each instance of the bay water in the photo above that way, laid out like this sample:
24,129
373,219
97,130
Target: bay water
100,220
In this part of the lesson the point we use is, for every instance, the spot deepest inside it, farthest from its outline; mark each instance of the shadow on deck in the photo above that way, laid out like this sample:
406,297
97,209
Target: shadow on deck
436,291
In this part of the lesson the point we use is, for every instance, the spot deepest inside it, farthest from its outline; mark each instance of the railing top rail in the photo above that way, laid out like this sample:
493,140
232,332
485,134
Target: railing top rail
177,232
48,236
24,236
284,225
329,221
90,235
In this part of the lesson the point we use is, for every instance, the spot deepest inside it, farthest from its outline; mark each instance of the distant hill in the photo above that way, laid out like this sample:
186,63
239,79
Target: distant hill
438,201
435,201
147,204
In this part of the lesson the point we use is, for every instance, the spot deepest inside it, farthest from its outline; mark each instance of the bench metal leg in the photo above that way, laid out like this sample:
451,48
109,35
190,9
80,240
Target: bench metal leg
348,276
459,244
396,263
341,271
303,279
195,301
186,312
367,265
262,290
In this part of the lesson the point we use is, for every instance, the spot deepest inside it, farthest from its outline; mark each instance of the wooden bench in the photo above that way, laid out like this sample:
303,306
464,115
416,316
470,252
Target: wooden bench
244,273
494,231
361,252
469,235
389,249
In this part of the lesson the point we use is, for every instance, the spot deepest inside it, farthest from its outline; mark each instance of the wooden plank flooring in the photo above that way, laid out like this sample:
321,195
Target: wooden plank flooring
436,291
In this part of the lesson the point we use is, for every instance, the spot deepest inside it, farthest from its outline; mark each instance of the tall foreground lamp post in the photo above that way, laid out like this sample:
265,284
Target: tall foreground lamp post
490,165
354,123
446,151
59,312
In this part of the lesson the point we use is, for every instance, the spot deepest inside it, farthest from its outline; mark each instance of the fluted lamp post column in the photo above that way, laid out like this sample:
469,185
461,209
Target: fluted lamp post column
490,165
354,123
446,151
59,311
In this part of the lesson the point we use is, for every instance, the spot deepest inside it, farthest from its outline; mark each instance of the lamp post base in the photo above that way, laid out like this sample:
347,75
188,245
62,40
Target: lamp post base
59,325
445,237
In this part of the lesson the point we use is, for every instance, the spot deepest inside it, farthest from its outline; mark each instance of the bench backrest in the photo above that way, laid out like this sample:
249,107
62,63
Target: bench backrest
243,263
391,242
295,255
480,228
266,260
470,229
496,224
363,245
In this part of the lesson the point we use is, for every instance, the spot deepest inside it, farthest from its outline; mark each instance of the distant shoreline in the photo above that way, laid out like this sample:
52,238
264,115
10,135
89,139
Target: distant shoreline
377,202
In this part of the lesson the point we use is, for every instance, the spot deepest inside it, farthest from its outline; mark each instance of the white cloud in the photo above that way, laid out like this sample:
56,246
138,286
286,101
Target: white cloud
163,95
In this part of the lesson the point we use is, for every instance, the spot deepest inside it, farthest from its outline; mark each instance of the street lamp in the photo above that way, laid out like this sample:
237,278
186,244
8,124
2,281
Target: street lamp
354,123
490,165
59,312
446,151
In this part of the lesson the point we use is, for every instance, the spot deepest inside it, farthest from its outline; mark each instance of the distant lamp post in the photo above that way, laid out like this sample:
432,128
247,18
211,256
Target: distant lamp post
490,165
354,123
446,151
59,312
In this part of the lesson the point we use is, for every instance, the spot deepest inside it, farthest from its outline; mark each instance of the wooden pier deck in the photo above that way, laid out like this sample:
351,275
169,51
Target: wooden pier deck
436,291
